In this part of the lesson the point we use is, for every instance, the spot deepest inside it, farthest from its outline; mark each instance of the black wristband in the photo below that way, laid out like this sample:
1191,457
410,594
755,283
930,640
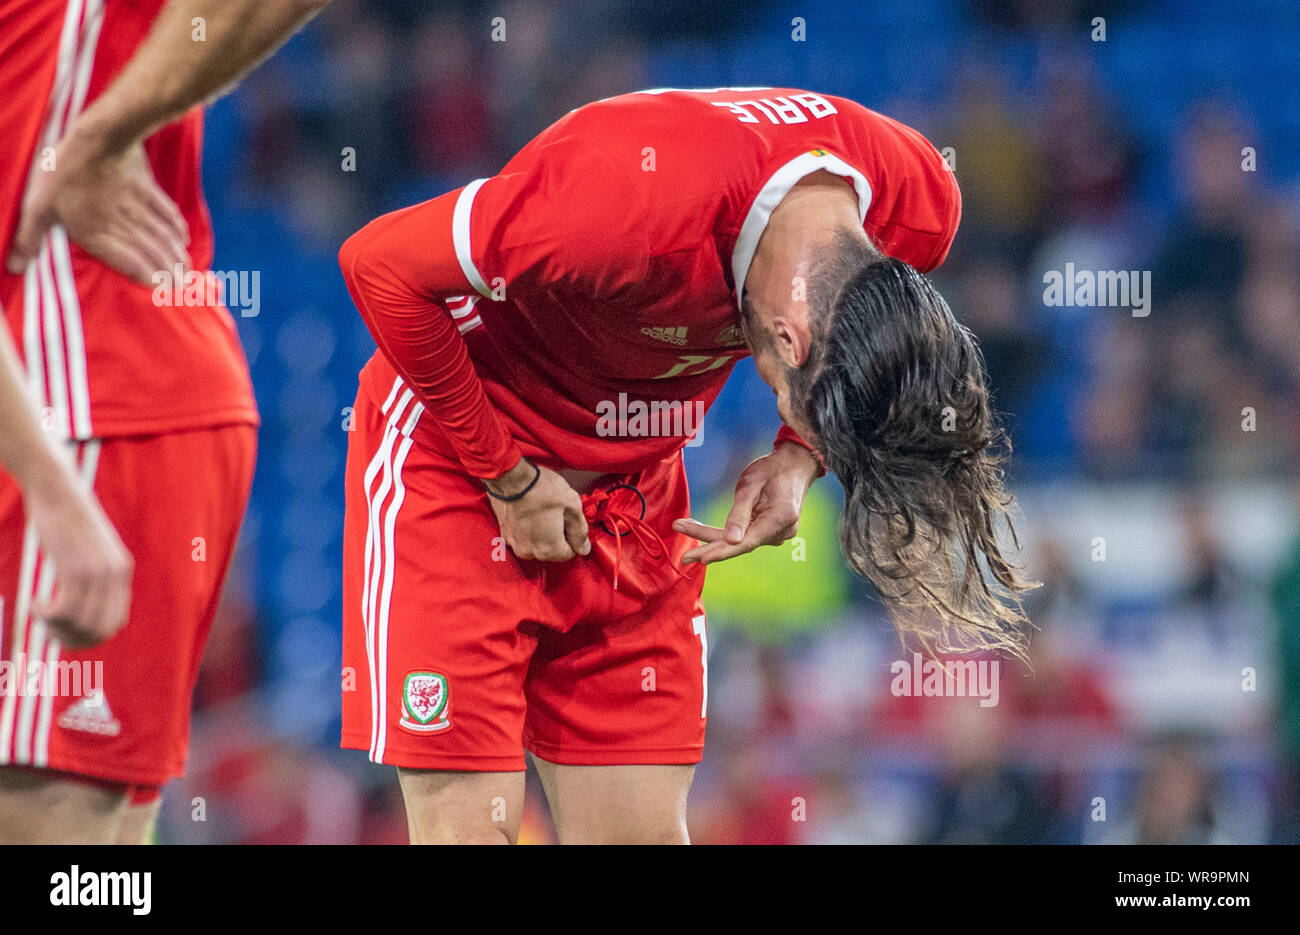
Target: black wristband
515,496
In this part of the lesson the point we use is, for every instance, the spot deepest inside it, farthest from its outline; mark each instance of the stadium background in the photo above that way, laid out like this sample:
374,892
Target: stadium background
1119,154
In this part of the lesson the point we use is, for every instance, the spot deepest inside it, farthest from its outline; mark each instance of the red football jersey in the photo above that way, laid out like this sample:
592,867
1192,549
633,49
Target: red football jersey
595,281
101,355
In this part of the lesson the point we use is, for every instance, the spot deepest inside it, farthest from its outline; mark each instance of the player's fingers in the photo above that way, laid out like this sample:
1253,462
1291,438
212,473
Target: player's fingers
152,244
742,509
27,240
160,232
553,552
697,530
92,616
167,212
576,532
123,256
552,546
766,529
771,527
709,552
693,555
65,612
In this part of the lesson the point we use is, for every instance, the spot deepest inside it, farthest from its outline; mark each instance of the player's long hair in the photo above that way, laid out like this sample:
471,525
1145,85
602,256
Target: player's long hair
895,390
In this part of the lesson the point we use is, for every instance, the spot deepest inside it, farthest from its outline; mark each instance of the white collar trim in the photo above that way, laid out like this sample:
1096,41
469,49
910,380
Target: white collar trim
773,191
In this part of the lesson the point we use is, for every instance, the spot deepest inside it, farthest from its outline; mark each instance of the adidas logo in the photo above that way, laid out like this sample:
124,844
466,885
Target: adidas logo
91,715
671,335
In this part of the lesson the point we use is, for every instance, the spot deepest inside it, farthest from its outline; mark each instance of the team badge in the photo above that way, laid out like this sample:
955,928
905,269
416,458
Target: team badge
425,703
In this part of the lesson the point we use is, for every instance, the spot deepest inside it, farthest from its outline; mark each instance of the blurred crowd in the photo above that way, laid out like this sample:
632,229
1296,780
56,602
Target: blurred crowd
1164,700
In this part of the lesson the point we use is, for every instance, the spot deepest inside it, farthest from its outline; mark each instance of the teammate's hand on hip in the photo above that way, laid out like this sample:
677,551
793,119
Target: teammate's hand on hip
769,500
110,205
546,523
92,568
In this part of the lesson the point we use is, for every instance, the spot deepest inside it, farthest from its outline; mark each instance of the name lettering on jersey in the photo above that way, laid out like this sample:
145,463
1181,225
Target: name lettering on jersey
778,110
670,334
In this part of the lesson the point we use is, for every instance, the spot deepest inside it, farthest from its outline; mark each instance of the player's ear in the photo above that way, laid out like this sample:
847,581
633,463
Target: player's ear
793,340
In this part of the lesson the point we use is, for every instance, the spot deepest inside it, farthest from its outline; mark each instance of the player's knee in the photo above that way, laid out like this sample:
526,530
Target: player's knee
663,835
459,832
450,807
37,807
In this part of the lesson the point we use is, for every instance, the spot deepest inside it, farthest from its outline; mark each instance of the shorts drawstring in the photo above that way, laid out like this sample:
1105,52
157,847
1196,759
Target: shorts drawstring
599,510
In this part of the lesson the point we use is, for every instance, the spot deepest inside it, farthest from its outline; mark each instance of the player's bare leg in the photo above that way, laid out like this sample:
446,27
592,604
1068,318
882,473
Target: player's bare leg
139,823
617,804
44,808
454,807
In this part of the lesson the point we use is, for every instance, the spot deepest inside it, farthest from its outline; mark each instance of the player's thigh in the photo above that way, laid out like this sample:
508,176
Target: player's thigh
617,804
460,807
41,807
139,823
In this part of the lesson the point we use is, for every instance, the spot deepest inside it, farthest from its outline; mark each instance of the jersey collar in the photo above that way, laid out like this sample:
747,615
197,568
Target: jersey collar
775,189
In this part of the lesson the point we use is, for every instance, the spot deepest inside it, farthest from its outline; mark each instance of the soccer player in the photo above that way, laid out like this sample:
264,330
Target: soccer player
100,143
520,572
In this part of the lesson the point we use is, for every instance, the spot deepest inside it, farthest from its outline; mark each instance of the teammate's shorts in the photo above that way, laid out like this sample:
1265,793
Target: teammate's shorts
459,656
120,711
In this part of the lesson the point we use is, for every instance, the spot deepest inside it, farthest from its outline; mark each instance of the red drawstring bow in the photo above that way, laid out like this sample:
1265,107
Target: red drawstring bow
600,510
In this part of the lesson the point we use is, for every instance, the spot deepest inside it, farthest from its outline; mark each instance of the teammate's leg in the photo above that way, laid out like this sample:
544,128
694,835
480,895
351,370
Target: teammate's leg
41,807
617,804
453,807
125,723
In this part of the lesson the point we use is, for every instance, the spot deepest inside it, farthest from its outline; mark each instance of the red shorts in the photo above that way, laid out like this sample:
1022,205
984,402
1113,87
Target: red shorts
459,656
120,711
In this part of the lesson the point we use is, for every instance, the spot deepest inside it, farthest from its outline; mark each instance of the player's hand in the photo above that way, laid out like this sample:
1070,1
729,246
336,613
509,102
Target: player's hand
547,522
769,500
109,203
92,568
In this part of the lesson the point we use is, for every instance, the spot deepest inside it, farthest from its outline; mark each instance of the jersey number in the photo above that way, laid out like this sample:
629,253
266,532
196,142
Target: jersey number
693,363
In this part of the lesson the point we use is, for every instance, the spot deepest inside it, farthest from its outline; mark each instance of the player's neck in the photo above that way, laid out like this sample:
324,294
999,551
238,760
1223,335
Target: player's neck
805,222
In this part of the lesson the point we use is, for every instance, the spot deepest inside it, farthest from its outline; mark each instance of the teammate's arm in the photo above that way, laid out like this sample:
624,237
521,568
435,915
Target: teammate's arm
396,268
101,190
92,567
